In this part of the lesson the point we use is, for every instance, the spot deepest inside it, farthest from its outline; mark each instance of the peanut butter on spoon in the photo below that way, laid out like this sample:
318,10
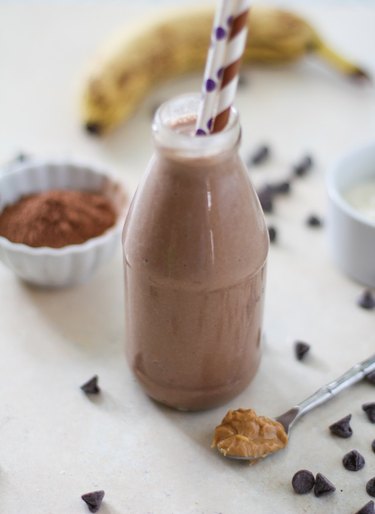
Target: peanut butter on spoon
243,434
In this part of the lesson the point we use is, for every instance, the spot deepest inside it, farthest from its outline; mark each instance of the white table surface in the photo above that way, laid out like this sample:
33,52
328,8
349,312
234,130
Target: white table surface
56,444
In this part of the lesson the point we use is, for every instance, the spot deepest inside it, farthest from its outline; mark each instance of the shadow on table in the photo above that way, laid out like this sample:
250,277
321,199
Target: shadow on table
88,316
109,509
294,382
199,428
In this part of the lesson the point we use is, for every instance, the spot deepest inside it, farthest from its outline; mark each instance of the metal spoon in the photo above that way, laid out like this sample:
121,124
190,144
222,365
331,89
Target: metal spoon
322,395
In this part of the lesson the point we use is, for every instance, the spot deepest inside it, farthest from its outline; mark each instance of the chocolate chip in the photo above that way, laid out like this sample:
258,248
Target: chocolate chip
323,485
265,196
303,481
282,187
370,487
91,386
369,508
373,445
371,377
314,221
369,409
242,81
301,349
353,461
93,500
342,427
21,157
272,232
260,155
301,168
366,300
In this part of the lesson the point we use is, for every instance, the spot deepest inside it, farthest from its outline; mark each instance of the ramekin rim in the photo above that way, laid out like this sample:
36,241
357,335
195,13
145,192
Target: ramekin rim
332,189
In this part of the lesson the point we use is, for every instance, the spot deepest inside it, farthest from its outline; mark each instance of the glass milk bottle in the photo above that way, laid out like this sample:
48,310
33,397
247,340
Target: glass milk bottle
195,246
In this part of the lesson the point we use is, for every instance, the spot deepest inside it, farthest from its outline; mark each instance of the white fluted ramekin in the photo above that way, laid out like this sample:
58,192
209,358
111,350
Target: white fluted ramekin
72,264
351,234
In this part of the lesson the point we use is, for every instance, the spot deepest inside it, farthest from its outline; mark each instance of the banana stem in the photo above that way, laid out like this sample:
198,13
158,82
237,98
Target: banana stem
343,65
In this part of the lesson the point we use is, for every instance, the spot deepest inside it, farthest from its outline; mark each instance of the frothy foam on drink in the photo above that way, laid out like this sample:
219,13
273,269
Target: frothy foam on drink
185,125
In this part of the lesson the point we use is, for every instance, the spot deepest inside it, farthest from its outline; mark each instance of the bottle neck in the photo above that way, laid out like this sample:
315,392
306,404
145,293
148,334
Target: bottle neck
174,136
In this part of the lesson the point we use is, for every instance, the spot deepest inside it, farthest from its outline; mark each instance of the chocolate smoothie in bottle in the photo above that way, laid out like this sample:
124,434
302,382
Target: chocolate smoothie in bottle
195,246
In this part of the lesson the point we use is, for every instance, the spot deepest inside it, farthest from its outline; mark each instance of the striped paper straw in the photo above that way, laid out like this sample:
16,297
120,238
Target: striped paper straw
213,73
232,62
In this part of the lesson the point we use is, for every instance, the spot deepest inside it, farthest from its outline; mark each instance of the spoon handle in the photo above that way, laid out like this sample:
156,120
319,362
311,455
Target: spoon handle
325,393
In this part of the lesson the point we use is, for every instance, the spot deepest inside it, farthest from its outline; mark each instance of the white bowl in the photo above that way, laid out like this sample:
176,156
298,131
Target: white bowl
351,233
69,265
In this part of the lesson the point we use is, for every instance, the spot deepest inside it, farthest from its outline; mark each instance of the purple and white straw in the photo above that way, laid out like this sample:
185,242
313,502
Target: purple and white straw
213,72
232,63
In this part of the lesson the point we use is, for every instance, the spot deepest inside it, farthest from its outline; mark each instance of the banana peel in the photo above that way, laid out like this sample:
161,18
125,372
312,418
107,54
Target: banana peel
125,71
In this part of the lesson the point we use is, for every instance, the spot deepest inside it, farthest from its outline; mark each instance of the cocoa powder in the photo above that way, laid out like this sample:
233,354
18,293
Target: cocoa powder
57,218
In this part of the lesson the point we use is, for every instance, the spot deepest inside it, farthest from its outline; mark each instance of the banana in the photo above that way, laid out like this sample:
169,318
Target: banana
176,44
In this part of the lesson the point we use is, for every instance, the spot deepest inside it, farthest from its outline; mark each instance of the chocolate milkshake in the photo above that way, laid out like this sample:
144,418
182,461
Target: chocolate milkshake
195,246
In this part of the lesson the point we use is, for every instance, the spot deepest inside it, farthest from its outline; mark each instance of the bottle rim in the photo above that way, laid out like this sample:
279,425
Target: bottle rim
185,107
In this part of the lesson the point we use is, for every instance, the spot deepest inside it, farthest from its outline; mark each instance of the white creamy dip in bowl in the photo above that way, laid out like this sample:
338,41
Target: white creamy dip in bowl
351,214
